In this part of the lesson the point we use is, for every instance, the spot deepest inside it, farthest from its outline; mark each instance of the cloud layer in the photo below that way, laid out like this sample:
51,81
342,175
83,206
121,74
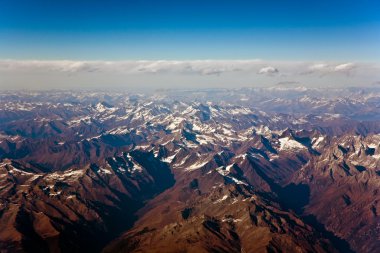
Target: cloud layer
201,67
256,71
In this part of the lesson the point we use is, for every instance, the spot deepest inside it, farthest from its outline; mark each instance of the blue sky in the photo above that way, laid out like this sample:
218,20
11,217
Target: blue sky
129,30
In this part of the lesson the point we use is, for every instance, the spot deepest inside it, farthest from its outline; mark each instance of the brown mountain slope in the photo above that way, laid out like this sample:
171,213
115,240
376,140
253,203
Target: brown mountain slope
208,214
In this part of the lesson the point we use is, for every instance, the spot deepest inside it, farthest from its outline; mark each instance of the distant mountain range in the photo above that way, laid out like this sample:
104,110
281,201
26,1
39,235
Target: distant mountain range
246,170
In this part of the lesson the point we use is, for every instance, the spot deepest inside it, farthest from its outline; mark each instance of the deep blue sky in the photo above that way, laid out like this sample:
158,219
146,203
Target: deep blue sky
115,30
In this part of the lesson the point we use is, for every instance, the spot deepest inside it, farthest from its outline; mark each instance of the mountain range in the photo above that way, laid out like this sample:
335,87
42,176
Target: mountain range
282,169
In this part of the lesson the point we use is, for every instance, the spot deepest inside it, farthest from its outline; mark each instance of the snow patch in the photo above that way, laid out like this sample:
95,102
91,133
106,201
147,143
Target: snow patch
196,165
317,141
288,144
104,171
221,199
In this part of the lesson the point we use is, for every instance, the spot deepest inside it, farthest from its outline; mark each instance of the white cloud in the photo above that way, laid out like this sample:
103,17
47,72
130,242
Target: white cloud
268,70
325,69
346,67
